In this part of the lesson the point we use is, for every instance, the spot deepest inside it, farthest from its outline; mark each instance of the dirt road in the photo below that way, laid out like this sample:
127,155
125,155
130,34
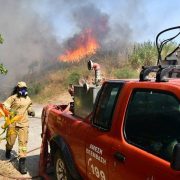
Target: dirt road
9,169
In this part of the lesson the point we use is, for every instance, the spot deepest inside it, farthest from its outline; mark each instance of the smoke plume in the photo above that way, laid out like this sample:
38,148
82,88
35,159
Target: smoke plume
28,41
32,43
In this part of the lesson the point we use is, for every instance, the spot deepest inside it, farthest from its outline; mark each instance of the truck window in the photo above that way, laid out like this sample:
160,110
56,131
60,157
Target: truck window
153,122
105,105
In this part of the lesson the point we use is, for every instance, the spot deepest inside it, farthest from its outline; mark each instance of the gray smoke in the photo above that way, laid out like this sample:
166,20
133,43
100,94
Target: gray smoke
89,16
29,42
113,31
32,44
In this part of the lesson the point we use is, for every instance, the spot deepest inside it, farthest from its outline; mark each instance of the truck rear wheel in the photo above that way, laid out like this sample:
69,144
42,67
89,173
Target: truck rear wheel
60,169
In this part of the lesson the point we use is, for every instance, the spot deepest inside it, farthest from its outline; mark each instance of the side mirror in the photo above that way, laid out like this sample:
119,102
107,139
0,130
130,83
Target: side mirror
175,164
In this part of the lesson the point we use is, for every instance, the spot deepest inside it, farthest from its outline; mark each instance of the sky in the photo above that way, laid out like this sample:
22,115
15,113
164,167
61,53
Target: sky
145,18
36,32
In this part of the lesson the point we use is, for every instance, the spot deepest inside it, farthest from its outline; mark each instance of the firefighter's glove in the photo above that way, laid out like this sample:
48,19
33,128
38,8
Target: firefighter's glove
32,113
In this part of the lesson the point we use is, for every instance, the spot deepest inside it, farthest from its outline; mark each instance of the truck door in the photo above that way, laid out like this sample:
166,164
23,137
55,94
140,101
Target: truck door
98,143
150,131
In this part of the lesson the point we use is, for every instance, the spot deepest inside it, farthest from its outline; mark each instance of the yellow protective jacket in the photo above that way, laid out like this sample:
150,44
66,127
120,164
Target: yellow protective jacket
20,105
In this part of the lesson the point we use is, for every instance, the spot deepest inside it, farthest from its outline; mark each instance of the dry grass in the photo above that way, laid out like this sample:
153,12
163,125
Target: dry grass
54,89
55,83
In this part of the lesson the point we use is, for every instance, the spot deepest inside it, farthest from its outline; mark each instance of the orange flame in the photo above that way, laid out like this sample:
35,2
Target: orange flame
86,44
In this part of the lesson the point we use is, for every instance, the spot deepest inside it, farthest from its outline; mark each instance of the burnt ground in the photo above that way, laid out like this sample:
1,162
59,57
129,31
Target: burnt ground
8,169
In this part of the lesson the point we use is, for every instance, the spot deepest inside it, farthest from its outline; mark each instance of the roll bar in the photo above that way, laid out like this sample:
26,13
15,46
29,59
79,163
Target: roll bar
161,45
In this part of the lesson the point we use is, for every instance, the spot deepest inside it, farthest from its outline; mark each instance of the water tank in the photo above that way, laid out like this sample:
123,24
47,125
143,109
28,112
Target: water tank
84,99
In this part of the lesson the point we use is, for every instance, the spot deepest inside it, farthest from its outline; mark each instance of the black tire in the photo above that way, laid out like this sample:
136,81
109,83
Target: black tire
61,171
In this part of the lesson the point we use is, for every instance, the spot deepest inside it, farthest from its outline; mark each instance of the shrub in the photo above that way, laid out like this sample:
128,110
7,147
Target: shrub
35,89
125,73
73,78
143,54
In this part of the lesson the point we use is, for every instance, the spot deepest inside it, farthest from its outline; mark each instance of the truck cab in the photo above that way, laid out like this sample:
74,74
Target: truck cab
123,129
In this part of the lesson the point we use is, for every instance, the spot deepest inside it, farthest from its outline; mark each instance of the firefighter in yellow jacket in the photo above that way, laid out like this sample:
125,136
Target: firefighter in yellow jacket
20,103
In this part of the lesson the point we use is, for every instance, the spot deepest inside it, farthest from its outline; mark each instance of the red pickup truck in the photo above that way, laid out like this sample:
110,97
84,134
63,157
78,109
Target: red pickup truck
122,130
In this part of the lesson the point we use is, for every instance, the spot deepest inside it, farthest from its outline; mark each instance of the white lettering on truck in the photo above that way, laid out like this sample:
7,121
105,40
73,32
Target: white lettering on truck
96,153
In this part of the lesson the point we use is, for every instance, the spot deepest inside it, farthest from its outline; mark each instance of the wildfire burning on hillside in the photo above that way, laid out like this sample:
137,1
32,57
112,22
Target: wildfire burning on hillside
80,46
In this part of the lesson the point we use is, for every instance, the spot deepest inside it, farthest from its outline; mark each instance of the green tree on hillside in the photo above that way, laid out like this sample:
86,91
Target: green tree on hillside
1,39
145,54
3,70
168,48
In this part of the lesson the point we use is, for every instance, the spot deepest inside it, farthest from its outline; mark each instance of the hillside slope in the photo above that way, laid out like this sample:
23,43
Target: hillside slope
53,87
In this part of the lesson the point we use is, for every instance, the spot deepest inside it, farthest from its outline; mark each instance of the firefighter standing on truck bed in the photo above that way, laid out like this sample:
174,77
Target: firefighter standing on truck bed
20,103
